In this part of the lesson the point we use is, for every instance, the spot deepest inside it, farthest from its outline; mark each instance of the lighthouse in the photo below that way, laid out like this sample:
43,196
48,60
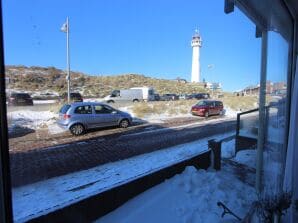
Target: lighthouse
196,44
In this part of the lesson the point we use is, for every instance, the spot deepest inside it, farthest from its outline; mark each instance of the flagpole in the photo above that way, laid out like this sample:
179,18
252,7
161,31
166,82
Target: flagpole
67,60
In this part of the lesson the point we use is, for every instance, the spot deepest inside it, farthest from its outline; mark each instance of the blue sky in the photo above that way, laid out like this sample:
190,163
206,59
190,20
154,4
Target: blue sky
110,37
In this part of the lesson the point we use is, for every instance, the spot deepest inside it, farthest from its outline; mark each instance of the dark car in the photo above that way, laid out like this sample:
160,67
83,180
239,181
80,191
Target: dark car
185,96
74,97
169,97
156,97
20,99
199,96
207,108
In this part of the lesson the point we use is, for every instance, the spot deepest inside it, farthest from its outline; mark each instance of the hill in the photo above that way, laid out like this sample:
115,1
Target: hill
45,79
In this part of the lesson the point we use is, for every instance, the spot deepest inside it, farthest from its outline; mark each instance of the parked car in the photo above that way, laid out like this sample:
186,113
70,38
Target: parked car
20,99
80,116
74,97
156,97
201,96
135,94
169,97
185,96
207,108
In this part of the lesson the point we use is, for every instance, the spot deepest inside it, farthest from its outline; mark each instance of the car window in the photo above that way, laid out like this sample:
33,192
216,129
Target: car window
64,109
101,109
86,109
218,103
21,95
210,103
202,103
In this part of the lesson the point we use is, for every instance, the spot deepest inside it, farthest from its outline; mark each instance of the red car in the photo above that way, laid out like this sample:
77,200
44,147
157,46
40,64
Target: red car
207,108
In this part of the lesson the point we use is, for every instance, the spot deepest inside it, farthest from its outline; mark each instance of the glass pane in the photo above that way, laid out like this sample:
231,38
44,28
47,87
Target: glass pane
275,141
137,57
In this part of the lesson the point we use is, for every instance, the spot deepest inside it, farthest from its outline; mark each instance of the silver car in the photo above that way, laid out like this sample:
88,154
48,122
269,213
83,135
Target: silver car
80,116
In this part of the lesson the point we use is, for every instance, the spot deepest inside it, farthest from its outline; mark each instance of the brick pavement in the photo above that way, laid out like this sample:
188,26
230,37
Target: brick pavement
37,165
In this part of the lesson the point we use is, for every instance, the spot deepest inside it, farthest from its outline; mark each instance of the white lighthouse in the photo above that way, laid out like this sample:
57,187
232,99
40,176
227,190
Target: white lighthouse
196,44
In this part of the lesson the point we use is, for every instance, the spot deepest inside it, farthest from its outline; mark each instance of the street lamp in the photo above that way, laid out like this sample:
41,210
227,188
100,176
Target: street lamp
210,67
65,29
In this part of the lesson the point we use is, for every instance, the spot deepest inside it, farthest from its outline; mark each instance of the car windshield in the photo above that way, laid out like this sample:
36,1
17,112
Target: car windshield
200,103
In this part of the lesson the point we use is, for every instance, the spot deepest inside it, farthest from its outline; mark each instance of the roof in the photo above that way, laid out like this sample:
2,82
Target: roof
271,15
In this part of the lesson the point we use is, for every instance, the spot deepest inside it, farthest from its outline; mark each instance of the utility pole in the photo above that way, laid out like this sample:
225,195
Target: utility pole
65,29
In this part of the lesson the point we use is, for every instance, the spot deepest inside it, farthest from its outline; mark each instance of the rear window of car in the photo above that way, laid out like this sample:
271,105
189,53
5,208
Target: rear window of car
76,95
21,95
85,109
64,109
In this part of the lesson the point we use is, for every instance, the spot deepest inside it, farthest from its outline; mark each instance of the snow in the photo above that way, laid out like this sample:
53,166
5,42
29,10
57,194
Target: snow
228,149
93,99
38,102
191,196
153,118
188,197
230,112
42,197
32,119
246,157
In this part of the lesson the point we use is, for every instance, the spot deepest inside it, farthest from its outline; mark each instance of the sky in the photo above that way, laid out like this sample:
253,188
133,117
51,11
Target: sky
111,37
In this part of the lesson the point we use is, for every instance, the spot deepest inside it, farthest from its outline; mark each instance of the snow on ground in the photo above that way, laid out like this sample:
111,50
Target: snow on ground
39,102
93,99
230,112
42,197
246,157
228,149
191,196
154,118
34,120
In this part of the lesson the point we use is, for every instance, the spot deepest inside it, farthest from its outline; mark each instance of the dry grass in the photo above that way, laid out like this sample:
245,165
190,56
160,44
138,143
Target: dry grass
240,103
181,107
163,107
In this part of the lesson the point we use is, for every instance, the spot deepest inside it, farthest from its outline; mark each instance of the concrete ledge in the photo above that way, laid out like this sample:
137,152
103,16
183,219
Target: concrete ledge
96,206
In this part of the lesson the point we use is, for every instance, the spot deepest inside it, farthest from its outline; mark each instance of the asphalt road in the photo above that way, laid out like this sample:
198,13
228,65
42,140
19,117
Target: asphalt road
32,164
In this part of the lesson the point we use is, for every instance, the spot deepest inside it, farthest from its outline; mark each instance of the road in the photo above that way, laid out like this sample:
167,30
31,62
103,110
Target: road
36,157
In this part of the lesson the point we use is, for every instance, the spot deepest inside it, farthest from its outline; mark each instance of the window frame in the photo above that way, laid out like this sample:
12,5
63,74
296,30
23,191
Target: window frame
5,179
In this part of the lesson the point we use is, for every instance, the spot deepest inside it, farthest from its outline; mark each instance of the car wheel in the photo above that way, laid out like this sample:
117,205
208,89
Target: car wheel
221,113
77,129
124,123
206,114
135,101
110,101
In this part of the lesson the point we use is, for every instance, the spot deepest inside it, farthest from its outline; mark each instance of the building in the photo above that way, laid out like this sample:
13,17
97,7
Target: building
196,44
213,86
